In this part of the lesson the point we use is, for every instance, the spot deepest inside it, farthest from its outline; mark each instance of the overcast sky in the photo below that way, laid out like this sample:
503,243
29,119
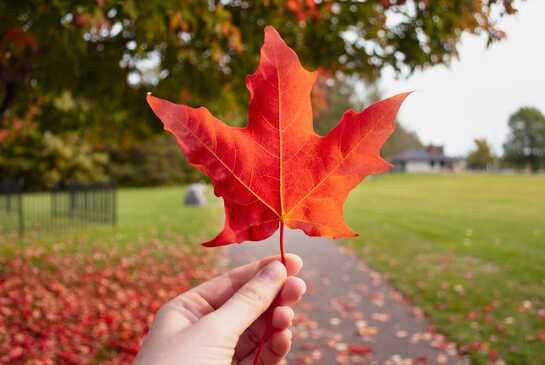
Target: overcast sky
475,95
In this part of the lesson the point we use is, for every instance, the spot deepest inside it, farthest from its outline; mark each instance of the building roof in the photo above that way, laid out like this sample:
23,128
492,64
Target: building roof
421,154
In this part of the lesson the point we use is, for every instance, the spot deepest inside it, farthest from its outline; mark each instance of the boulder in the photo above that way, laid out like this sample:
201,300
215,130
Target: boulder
196,194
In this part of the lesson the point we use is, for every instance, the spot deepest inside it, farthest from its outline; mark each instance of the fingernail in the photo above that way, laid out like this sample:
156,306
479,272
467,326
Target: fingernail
273,272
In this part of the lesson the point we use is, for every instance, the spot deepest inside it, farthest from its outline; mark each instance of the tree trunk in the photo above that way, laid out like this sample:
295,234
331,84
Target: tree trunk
534,163
9,98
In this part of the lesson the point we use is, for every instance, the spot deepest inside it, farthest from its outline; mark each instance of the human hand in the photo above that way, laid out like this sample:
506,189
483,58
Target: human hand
220,322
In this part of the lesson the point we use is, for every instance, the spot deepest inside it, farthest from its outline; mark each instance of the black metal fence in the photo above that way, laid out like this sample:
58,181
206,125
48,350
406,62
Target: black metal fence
66,206
11,207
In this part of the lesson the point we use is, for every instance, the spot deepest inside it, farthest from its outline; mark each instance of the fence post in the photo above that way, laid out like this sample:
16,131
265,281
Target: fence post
92,204
53,197
114,204
72,200
21,214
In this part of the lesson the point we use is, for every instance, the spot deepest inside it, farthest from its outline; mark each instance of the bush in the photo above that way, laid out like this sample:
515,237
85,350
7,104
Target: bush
157,161
43,160
72,159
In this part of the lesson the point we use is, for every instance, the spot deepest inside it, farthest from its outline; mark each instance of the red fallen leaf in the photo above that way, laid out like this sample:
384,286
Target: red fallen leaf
69,358
421,360
492,355
128,348
13,355
359,350
277,170
309,346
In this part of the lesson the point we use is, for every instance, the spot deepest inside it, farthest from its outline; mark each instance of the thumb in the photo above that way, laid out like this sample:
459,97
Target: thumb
252,299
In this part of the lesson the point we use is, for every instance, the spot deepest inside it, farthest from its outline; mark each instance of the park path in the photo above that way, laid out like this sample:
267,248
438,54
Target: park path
350,314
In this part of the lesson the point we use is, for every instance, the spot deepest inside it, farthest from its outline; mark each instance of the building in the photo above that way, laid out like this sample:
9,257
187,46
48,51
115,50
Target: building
428,159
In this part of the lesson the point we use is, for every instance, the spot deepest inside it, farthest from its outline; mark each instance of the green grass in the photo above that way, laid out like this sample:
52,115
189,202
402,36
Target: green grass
468,249
144,215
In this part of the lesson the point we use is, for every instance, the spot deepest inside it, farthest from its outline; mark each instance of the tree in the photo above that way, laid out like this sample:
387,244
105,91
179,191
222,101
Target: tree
87,64
482,157
401,140
525,145
42,160
332,97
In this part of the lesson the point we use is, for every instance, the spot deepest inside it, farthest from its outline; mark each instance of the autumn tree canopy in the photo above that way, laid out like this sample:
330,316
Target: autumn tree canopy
87,64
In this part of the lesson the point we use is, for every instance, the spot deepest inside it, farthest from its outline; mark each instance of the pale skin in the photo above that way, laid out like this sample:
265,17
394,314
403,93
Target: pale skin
220,322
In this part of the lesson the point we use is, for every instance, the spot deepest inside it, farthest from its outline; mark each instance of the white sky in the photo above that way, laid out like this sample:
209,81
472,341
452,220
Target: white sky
474,96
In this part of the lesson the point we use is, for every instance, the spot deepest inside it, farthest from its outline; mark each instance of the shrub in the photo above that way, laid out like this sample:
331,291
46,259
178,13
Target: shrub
42,160
157,161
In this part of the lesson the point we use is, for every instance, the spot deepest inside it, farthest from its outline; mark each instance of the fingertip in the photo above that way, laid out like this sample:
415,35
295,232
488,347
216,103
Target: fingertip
294,263
280,342
274,272
293,290
300,286
282,317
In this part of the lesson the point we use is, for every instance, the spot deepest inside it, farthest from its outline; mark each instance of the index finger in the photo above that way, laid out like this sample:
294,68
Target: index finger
221,288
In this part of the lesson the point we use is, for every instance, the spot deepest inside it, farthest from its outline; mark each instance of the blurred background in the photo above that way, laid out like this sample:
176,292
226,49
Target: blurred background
87,171
73,76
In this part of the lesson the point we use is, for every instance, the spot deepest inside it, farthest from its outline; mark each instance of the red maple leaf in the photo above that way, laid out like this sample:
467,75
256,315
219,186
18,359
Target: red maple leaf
277,170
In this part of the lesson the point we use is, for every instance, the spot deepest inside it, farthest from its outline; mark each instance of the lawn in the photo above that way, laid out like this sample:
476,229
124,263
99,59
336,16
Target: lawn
144,215
159,213
468,249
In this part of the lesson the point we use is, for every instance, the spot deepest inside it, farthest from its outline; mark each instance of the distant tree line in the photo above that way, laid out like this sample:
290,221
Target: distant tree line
524,148
525,145
481,157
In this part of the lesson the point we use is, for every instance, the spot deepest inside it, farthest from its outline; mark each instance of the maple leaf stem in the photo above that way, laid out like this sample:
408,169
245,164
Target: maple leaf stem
258,351
269,328
282,254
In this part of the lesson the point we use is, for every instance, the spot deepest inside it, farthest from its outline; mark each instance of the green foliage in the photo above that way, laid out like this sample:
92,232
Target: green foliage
200,51
331,98
20,153
43,160
525,145
401,140
482,157
157,161
71,158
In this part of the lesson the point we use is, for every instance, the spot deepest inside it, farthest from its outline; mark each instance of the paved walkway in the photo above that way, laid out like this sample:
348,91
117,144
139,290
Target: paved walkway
350,315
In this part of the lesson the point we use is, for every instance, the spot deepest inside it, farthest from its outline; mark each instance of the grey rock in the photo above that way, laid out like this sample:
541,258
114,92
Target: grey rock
196,195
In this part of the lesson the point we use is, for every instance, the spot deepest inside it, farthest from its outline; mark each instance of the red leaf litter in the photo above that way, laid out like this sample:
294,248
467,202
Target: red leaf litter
60,308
